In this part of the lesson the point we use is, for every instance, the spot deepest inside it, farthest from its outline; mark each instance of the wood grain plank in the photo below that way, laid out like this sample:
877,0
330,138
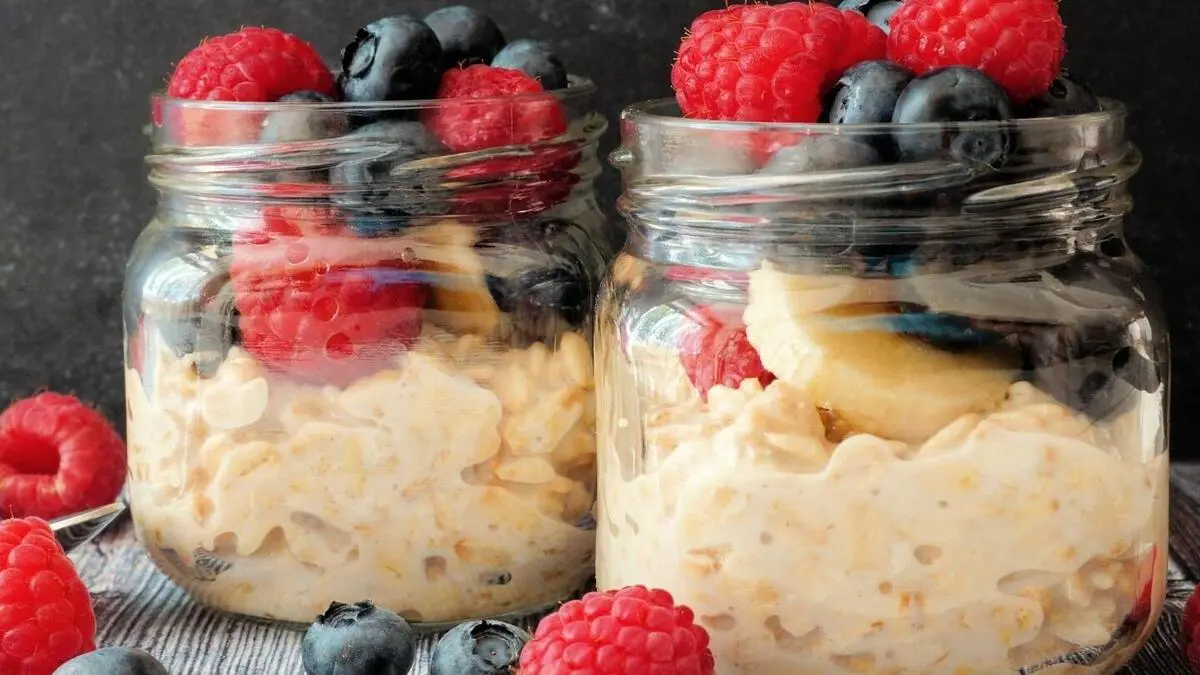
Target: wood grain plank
137,606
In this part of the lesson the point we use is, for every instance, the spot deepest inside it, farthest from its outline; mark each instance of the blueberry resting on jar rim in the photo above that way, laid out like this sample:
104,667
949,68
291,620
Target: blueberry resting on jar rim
949,96
397,58
467,36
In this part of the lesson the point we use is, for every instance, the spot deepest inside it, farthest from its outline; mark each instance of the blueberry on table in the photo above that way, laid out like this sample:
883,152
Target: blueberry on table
1066,96
467,35
479,648
537,60
113,661
379,193
358,639
300,124
867,93
950,96
397,58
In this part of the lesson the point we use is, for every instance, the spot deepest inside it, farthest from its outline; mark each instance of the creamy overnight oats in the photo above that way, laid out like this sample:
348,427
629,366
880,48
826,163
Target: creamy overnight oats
881,387
359,356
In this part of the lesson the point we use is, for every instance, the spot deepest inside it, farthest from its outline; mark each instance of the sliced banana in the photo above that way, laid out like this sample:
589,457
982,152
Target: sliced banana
875,381
461,300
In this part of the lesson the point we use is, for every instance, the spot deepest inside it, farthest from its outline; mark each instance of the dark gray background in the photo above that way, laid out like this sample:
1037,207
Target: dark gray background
76,74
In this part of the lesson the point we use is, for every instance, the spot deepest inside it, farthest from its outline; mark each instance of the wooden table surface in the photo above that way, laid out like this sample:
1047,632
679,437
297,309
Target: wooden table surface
137,606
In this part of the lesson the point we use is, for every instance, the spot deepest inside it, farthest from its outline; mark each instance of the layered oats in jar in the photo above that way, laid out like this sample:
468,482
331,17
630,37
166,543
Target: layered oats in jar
883,396
359,345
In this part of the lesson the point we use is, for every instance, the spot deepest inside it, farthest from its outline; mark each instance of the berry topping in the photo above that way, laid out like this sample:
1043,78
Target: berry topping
861,41
57,457
47,613
867,93
479,648
761,63
253,64
467,36
113,661
379,195
511,113
1018,43
954,95
633,630
318,302
717,351
537,60
397,58
1066,96
358,639
302,124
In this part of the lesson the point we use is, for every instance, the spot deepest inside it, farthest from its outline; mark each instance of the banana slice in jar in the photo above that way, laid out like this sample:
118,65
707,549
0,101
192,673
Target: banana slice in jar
816,333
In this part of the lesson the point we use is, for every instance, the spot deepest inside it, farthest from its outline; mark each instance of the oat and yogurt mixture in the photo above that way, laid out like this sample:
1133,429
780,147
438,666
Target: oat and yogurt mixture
383,489
962,534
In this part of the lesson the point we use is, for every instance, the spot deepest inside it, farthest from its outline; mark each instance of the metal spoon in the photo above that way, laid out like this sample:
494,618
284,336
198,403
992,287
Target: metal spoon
79,528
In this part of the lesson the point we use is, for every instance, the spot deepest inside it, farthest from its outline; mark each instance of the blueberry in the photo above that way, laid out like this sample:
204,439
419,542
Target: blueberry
381,194
358,639
946,331
867,93
298,124
397,58
825,152
543,272
113,661
478,648
948,96
467,36
877,12
537,60
881,13
1066,96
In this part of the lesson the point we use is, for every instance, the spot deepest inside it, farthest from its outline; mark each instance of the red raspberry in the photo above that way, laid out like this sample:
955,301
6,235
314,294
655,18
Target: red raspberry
1189,638
319,303
1018,43
717,351
46,616
760,63
251,65
631,631
510,112
57,456
485,107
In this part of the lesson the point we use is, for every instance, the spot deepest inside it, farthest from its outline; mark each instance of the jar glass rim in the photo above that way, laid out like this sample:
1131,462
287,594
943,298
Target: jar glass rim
664,113
578,88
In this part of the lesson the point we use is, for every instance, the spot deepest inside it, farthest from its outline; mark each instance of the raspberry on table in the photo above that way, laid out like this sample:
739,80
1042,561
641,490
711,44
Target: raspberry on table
251,65
320,303
1188,639
631,630
46,616
759,63
57,457
1018,43
717,351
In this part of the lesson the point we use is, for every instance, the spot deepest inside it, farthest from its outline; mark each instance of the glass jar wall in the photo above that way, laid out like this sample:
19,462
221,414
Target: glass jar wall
359,365
885,400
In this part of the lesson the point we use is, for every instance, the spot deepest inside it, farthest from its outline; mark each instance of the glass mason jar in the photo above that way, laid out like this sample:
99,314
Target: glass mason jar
885,399
359,365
